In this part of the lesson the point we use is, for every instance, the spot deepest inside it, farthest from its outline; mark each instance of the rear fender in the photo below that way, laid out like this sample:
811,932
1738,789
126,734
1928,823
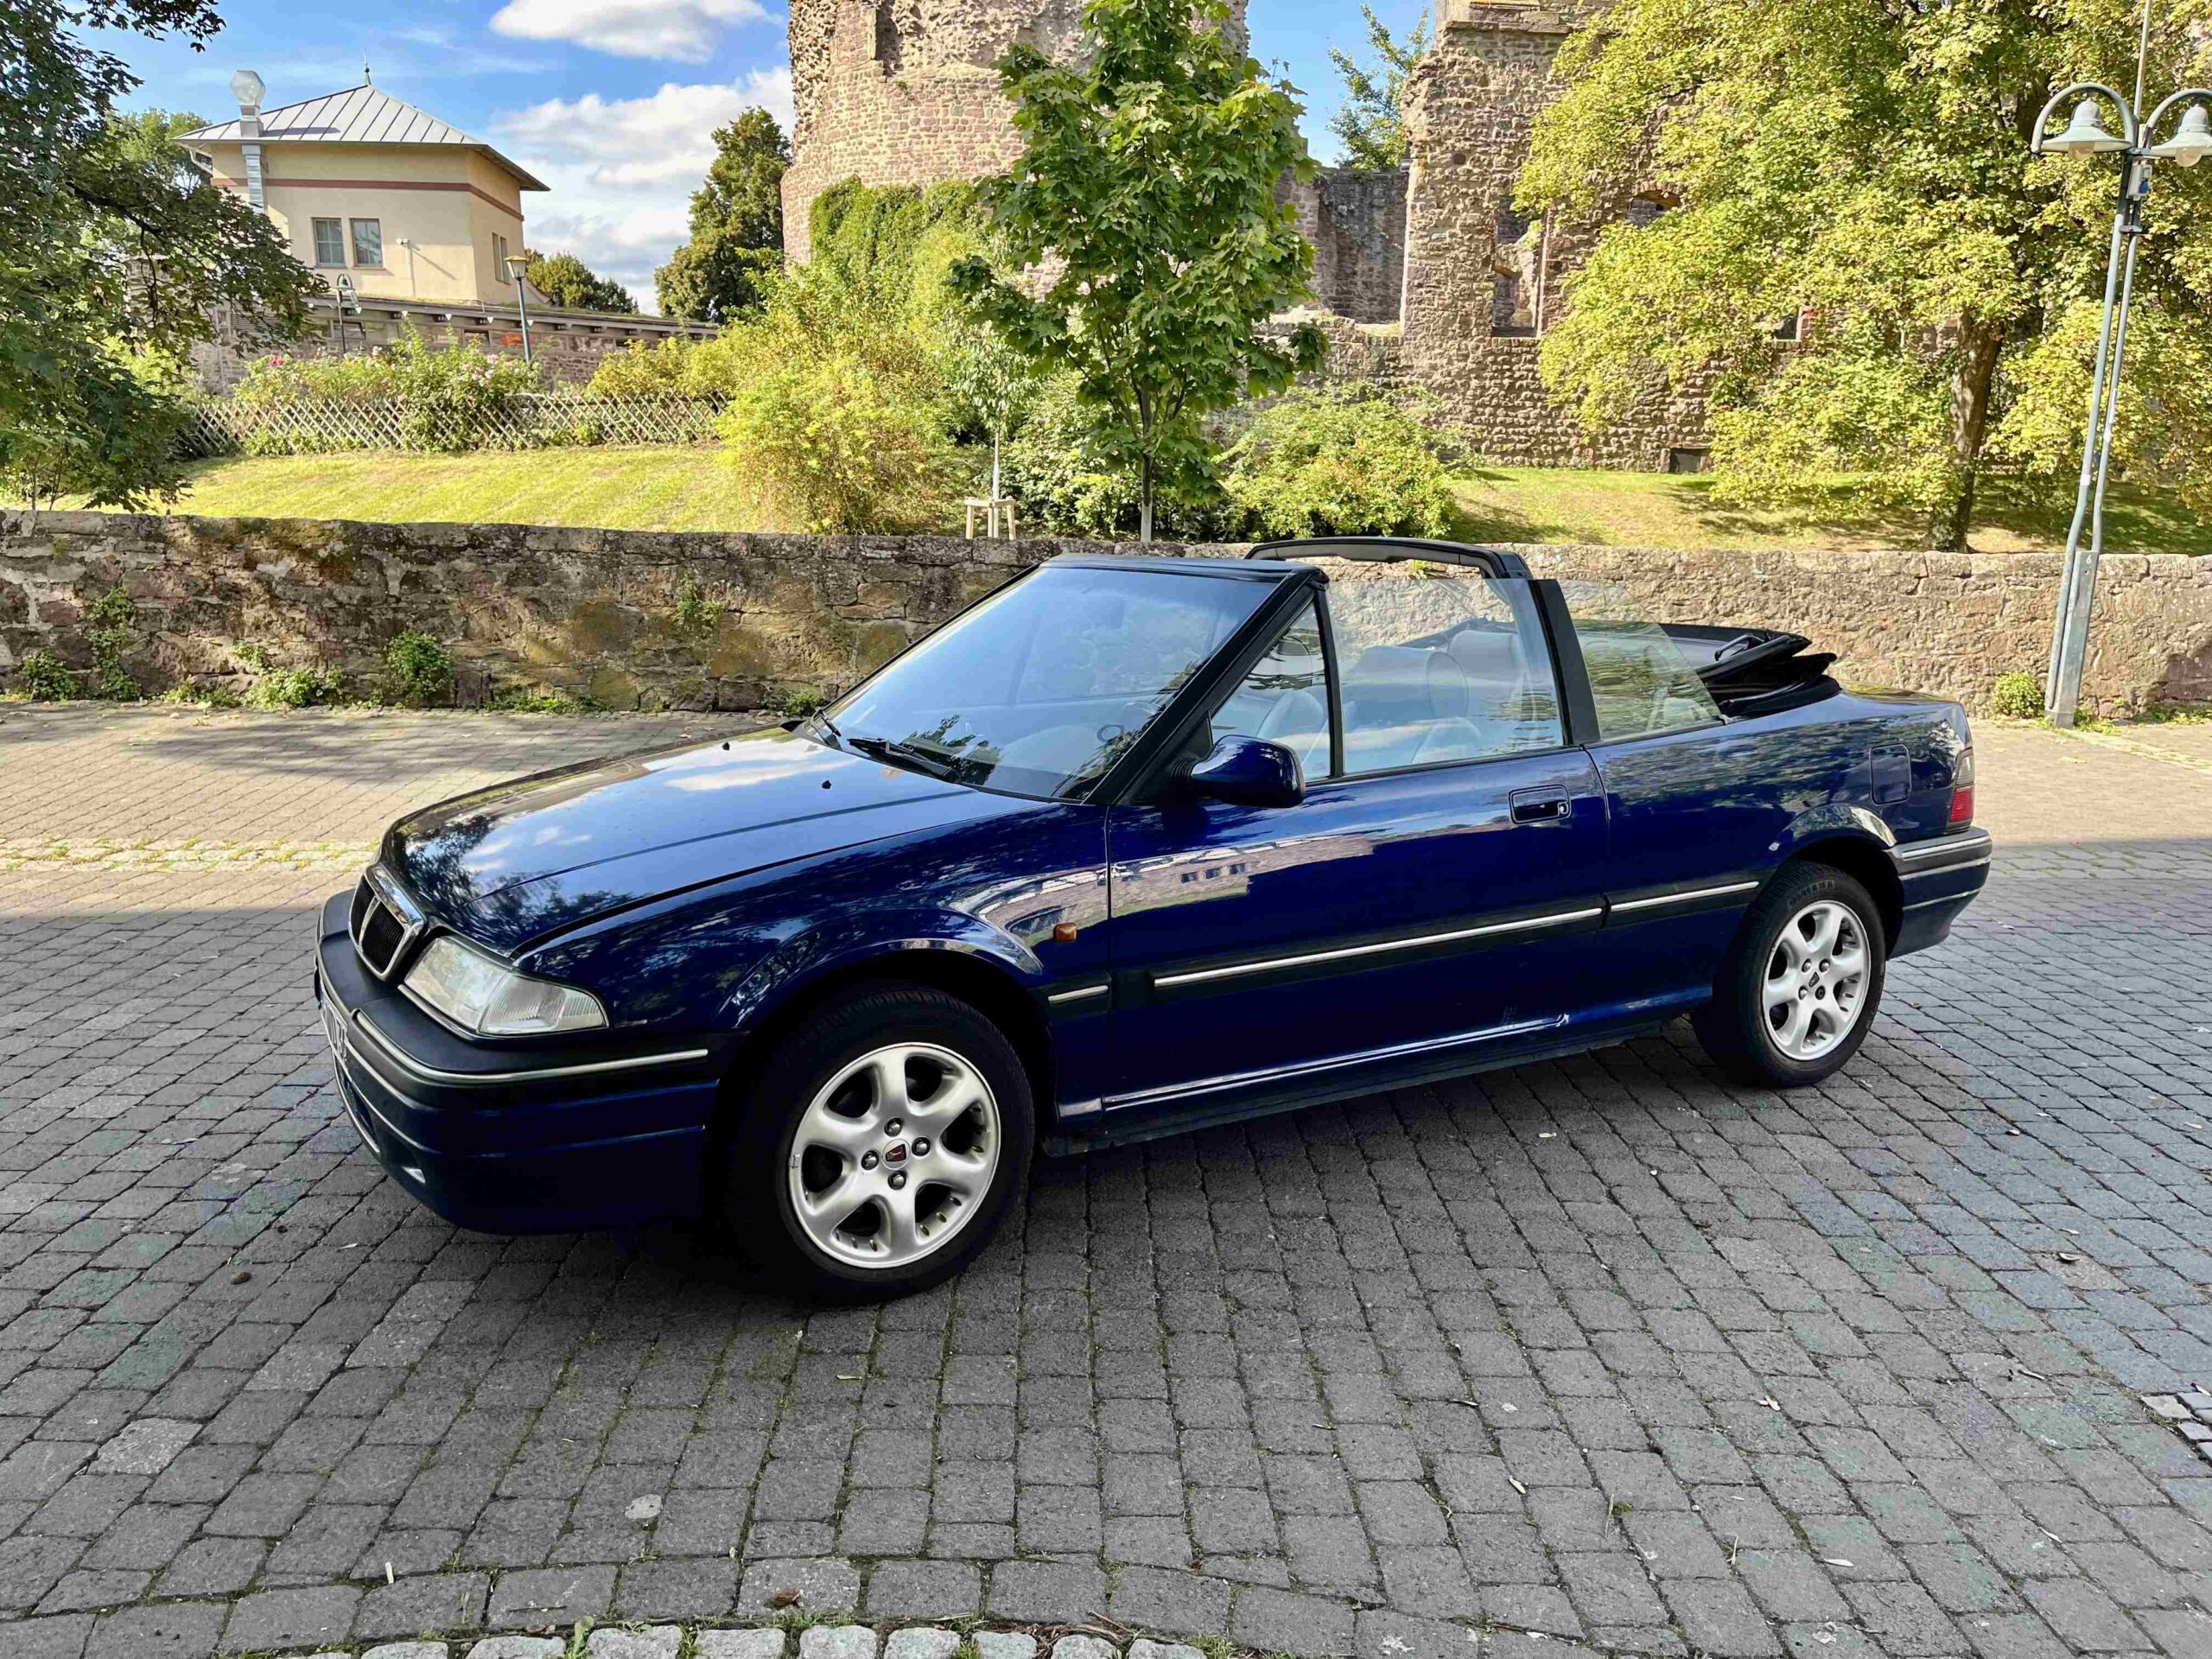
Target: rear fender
1856,841
1830,823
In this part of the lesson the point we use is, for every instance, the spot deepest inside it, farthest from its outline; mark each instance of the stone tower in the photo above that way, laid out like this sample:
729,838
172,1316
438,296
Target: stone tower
904,92
1482,281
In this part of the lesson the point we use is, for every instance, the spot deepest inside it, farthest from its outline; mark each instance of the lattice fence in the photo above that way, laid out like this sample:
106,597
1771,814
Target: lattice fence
533,421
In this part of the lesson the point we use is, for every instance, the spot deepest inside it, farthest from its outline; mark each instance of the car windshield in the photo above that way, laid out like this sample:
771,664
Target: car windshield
1040,689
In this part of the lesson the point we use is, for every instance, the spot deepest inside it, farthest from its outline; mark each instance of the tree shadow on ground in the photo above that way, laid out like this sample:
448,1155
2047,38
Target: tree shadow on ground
364,747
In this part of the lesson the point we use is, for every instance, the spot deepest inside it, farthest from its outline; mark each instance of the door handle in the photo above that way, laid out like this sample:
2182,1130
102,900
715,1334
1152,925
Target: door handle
1541,808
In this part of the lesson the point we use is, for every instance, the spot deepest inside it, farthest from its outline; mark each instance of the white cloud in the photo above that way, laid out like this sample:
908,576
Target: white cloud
685,30
622,170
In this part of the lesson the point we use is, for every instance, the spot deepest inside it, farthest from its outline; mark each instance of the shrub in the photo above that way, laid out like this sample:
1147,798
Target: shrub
1054,467
448,397
1345,461
419,669
112,636
293,688
696,616
525,700
642,370
45,679
2017,696
836,414
836,446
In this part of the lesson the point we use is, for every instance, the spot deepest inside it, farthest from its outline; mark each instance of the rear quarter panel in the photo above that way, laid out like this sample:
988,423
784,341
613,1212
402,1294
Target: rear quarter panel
1735,801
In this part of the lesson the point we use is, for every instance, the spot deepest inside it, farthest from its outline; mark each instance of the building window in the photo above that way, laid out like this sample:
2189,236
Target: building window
1516,267
1644,210
1791,326
499,259
1687,462
330,242
368,242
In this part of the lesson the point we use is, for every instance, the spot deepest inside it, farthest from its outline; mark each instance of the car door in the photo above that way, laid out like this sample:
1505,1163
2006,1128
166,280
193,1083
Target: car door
1425,899
1696,804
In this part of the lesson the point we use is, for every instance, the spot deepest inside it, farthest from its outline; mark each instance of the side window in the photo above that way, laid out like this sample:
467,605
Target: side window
1439,669
1642,682
1285,699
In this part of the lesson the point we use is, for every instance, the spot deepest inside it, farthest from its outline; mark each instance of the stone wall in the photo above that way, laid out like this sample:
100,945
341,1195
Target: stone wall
1357,222
600,613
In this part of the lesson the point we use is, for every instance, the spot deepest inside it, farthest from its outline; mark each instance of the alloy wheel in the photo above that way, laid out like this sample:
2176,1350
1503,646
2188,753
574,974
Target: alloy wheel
1815,985
893,1155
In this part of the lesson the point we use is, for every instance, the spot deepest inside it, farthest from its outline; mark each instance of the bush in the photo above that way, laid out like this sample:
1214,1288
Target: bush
1055,469
642,370
1345,461
293,688
112,636
419,669
525,700
696,617
2017,696
45,679
836,418
837,447
448,397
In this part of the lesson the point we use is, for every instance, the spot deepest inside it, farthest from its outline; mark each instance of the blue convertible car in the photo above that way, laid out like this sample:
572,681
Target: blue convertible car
1132,846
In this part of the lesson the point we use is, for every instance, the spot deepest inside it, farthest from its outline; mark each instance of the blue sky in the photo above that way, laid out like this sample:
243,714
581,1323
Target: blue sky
611,102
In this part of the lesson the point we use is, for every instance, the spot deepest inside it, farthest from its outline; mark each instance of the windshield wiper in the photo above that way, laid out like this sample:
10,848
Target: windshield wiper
821,723
885,748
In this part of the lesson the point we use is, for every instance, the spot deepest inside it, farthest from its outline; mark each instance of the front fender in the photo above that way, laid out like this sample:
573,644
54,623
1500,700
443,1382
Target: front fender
839,945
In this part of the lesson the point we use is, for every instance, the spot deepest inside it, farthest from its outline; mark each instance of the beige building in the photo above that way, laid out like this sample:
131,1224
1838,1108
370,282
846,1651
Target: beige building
370,189
409,221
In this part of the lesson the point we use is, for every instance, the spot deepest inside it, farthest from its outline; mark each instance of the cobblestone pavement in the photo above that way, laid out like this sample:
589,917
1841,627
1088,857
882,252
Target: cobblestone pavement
1606,1351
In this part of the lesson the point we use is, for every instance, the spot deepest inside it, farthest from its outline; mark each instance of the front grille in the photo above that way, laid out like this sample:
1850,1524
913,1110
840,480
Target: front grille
381,934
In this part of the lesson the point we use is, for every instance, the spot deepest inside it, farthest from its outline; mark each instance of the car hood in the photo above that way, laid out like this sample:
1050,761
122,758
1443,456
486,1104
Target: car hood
509,865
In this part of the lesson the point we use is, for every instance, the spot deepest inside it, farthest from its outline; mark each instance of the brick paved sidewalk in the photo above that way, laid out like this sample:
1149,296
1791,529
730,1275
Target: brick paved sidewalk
1607,1351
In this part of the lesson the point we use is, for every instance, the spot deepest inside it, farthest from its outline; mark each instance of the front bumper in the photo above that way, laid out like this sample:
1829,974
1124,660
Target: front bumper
1941,877
512,1138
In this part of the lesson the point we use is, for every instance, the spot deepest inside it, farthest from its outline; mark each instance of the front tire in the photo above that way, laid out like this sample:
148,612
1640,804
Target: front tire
881,1143
1800,989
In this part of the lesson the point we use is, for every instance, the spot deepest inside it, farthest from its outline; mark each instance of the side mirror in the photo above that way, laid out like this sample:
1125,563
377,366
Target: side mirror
1248,772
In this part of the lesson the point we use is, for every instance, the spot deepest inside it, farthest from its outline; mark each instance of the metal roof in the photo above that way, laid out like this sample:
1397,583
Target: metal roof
360,114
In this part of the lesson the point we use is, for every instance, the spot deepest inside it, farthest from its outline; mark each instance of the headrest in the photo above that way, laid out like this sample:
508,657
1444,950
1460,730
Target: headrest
1487,654
1429,680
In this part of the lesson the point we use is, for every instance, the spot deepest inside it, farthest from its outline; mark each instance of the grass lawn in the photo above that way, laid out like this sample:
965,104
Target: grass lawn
694,489
610,489
1532,504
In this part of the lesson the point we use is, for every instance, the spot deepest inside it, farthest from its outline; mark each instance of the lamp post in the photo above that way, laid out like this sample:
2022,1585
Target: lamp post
2085,134
518,273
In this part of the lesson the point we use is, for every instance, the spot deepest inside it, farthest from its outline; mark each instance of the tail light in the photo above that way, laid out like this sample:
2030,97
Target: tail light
1962,790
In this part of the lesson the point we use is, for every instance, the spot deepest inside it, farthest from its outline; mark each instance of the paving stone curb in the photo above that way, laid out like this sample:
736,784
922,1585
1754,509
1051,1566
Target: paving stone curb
824,1641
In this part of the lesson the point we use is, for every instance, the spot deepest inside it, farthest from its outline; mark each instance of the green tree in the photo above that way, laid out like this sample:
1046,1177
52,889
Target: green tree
737,225
574,286
1866,163
113,259
116,257
1370,123
1147,181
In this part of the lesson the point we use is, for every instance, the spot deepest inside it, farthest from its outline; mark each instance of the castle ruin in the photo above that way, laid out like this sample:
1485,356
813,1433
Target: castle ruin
1434,279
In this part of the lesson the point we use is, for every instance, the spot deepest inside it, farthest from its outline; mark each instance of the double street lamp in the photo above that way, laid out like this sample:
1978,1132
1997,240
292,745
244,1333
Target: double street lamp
2086,133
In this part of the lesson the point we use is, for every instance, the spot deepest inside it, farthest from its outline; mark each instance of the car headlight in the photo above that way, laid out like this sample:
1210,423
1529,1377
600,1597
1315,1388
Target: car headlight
480,994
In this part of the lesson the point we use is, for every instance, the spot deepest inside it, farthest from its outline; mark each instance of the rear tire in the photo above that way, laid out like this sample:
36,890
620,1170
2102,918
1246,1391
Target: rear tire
881,1144
1802,983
